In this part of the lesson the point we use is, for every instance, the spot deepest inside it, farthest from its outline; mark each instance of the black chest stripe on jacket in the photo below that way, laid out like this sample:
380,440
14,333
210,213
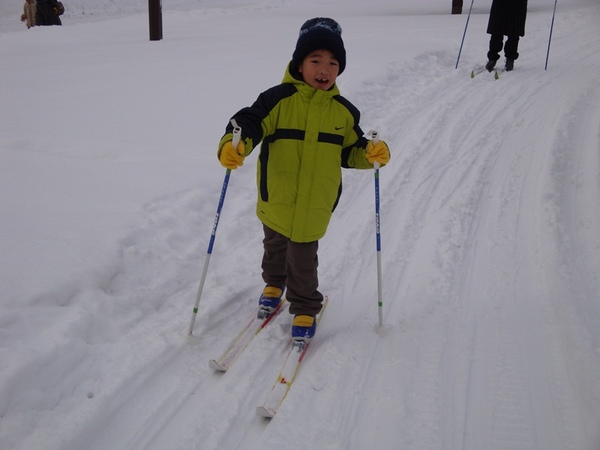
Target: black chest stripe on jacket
250,118
291,134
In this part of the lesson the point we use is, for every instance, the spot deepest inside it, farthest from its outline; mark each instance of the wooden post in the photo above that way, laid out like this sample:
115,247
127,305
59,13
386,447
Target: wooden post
457,6
155,17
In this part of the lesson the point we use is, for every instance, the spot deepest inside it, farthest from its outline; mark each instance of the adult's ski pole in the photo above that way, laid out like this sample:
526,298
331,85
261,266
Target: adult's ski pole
375,140
550,38
464,34
237,132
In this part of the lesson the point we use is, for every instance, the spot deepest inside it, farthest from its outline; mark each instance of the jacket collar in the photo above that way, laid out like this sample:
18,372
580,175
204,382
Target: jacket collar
292,76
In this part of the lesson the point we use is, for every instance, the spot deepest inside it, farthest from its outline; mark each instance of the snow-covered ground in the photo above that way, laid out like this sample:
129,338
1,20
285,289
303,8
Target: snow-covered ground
490,219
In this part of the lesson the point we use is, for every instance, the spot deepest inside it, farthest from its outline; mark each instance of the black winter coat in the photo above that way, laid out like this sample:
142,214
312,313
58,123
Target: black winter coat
45,14
507,17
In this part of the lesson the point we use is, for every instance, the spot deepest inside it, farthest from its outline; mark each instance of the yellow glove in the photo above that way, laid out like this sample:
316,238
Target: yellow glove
378,153
230,157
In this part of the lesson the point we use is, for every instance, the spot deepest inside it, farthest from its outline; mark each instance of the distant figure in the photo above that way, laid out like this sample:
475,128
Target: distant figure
507,18
28,15
46,12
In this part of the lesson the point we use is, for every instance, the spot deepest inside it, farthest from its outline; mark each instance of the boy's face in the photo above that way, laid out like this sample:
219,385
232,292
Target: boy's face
320,69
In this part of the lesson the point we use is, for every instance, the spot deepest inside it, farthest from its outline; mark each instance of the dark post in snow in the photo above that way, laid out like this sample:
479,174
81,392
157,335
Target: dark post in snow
457,6
155,16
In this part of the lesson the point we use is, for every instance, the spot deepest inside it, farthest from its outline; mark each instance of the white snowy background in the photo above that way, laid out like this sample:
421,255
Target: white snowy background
490,222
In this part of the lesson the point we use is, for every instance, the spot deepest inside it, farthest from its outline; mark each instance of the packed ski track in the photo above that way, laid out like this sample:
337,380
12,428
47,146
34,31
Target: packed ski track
490,225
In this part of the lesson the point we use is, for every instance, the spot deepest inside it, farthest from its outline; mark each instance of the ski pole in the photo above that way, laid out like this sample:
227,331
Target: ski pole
550,38
237,132
464,34
375,140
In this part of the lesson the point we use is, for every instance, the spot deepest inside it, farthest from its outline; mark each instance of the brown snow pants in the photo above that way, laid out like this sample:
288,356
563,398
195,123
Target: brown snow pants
292,265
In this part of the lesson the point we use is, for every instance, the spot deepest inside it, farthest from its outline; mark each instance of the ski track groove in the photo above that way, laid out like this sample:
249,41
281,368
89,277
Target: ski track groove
511,388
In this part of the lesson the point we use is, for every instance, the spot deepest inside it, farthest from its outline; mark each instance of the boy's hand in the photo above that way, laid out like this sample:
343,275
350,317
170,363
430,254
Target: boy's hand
378,153
230,157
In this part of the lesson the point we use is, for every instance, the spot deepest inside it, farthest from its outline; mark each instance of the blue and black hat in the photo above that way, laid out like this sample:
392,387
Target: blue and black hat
317,33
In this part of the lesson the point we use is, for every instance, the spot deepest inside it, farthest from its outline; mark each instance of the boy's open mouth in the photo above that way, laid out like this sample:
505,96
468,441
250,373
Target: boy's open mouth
323,81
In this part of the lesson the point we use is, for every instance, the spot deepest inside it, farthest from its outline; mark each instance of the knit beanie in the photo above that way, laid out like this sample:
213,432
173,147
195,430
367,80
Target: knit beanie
317,33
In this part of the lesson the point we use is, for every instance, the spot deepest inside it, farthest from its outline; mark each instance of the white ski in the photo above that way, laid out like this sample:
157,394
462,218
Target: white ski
241,341
287,374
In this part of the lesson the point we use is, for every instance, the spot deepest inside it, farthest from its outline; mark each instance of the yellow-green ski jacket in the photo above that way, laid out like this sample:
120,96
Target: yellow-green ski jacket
307,136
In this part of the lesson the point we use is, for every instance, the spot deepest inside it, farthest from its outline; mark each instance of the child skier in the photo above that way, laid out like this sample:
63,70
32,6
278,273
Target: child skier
308,133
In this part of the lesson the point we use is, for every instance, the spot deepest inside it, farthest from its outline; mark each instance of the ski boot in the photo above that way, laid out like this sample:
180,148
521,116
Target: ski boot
490,65
303,330
510,64
269,301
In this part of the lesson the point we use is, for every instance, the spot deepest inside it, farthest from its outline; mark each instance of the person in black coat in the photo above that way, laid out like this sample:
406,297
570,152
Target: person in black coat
45,13
507,18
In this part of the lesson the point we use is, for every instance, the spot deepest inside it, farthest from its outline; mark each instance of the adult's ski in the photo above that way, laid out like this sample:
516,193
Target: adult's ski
477,71
241,341
289,370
